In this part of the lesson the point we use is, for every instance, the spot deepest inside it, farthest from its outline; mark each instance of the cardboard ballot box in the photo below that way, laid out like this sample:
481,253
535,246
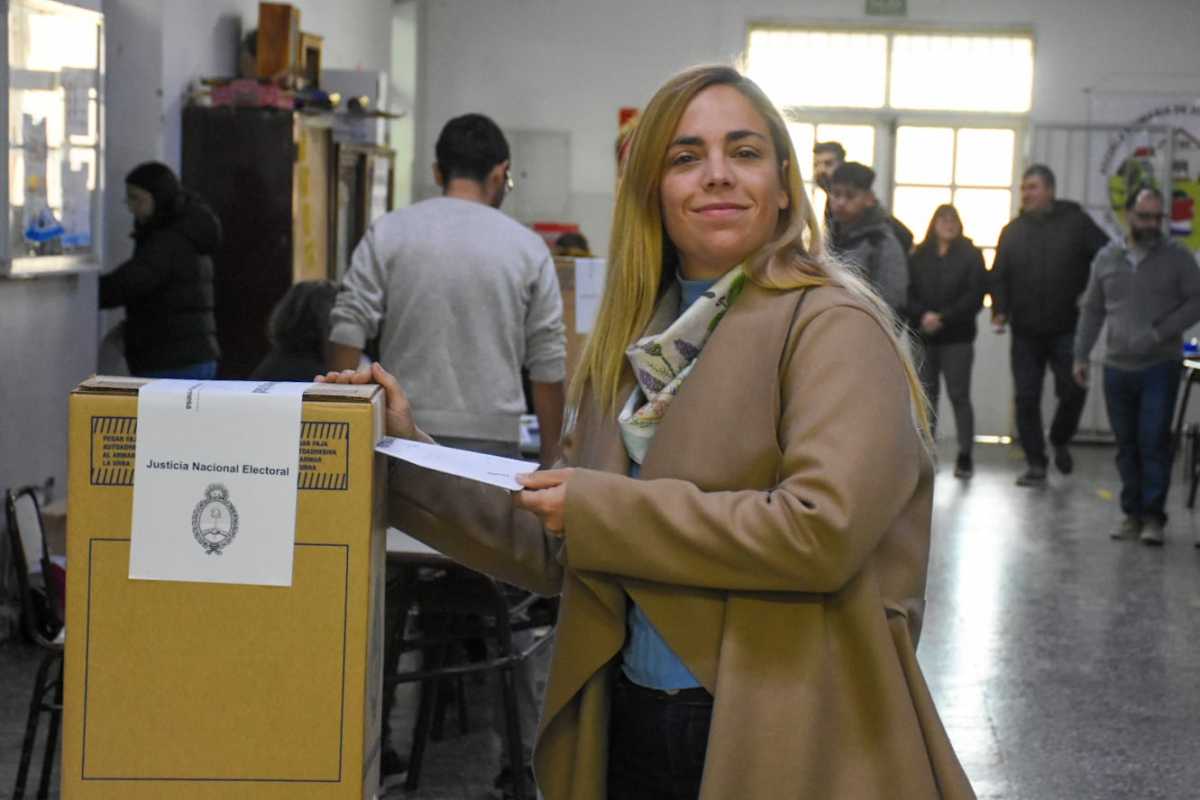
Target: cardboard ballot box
207,690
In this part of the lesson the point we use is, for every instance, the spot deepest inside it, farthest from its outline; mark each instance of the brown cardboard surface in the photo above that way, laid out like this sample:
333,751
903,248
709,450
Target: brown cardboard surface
565,268
195,690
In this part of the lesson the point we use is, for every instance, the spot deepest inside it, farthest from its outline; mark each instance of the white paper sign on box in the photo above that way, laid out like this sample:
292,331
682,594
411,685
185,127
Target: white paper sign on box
214,483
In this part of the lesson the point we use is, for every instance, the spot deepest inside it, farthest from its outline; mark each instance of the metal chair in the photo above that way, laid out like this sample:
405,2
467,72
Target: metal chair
456,605
40,581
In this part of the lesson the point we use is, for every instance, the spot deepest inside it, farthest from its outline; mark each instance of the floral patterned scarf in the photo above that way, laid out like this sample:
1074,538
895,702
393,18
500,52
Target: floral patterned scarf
661,362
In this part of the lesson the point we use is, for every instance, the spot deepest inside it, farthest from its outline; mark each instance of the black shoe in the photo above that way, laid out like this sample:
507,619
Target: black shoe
503,784
964,467
393,767
1034,477
1063,460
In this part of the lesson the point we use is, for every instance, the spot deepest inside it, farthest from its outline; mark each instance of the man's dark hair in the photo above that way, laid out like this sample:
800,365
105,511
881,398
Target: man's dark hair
1136,192
1043,172
854,174
469,147
299,322
830,147
572,241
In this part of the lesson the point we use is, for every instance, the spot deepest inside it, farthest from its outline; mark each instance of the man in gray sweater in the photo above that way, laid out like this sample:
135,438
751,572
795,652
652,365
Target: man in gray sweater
461,297
1148,289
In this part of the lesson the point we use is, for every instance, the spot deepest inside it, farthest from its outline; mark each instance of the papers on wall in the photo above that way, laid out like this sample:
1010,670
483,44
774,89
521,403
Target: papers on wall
77,208
214,483
37,220
589,288
492,470
77,85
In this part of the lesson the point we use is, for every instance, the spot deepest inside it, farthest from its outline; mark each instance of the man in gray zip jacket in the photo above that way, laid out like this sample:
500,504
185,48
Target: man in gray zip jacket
862,235
1148,289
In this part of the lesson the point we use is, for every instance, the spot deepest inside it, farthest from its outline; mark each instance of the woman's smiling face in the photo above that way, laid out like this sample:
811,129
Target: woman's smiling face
721,188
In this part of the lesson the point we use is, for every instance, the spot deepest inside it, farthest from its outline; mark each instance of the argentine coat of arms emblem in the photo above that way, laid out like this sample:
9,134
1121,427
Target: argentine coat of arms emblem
215,520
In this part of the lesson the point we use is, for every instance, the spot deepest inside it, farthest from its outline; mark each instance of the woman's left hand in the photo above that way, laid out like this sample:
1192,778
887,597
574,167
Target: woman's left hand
545,495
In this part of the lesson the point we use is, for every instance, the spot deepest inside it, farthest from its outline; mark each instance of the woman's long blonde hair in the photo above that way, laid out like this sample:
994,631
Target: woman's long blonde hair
642,259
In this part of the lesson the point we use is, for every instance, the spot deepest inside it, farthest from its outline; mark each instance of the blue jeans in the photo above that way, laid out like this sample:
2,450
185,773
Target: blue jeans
1141,404
204,371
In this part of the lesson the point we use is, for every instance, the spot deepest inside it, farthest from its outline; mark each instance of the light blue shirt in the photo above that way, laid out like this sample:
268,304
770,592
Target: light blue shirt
646,658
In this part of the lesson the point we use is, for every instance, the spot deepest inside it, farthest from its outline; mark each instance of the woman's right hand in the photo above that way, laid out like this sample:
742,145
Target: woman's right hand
398,419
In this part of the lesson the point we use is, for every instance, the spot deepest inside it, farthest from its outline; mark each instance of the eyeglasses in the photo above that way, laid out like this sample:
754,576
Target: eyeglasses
509,183
1149,217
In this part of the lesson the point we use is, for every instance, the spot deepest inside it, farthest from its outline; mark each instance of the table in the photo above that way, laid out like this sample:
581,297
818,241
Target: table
402,547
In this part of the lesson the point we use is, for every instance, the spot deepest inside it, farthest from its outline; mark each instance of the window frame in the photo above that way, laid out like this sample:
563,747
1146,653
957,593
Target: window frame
891,30
888,119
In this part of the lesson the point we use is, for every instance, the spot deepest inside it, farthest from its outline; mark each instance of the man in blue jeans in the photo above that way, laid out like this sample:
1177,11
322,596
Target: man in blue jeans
1148,289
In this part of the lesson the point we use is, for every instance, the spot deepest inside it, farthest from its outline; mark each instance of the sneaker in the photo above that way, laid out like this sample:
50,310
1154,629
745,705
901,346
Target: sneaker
1035,477
1152,533
964,467
1129,528
1063,460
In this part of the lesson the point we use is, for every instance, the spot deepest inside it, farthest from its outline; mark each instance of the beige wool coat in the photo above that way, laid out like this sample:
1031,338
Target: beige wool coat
778,539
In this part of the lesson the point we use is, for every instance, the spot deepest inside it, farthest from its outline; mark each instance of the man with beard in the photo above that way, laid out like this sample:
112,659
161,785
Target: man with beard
1148,289
1042,262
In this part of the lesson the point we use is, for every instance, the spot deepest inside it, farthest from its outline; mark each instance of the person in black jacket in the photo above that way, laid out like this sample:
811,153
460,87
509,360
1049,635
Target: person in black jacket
167,286
1042,264
947,282
298,330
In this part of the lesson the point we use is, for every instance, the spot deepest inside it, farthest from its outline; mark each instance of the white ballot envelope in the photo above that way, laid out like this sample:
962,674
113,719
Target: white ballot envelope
214,482
492,470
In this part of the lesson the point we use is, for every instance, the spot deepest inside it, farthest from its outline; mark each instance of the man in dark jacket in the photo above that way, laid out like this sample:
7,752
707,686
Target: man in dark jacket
1042,264
167,286
862,235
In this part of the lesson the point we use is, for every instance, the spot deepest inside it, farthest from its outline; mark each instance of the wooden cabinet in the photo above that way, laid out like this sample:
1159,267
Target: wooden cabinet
266,174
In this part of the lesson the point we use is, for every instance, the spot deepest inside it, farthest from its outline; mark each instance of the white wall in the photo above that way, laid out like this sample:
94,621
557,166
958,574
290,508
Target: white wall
201,39
49,326
568,65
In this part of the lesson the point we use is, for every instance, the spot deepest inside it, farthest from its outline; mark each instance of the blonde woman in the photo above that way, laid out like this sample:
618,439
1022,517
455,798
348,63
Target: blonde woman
741,532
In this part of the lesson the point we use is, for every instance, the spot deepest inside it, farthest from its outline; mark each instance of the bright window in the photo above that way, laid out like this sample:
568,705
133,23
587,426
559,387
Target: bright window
859,141
951,72
860,69
782,63
916,101
969,167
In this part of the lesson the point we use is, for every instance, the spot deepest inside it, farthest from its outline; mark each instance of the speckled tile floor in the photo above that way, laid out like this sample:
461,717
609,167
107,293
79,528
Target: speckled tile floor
1065,665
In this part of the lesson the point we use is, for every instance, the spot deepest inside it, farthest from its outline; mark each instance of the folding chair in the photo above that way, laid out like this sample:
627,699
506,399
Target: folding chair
41,581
